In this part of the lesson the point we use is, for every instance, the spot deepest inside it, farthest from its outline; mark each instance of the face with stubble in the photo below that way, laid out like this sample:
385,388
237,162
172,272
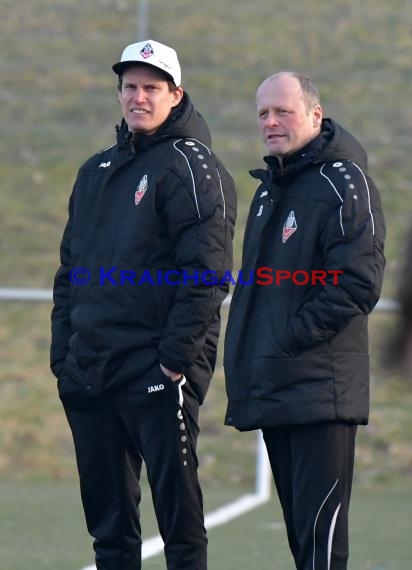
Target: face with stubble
285,120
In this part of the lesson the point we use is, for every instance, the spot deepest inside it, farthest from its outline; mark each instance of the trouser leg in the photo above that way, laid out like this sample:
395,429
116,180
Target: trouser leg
109,471
280,456
168,434
314,488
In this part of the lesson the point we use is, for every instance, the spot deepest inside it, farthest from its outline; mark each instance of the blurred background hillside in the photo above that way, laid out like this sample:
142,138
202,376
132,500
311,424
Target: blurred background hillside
59,106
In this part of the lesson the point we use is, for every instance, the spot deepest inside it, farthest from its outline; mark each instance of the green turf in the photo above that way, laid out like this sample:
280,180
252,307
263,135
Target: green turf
42,528
379,534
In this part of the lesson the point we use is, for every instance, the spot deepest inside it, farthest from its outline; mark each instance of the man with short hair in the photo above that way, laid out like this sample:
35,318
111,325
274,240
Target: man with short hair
296,347
135,324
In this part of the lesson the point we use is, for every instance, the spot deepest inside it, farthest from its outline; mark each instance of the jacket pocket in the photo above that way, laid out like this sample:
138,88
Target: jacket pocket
292,379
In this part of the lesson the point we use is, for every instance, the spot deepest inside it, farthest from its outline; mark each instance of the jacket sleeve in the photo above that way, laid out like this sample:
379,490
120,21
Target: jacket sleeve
352,242
60,317
200,212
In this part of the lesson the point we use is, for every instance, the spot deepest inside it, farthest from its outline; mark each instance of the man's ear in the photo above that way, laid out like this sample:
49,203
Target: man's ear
317,116
177,95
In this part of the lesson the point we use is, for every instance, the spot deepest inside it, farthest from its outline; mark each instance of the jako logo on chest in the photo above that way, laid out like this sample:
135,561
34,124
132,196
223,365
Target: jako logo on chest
155,388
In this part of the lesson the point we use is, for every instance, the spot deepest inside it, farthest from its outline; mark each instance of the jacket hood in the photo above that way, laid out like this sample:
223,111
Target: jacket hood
333,143
336,143
183,122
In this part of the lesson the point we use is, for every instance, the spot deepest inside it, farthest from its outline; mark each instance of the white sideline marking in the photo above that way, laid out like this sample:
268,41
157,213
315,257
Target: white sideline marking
222,515
154,545
233,510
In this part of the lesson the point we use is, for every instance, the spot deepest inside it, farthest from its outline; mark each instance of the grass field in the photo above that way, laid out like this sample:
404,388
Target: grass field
42,528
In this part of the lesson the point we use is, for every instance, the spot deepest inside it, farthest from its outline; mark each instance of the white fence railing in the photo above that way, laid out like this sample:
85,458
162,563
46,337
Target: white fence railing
33,295
20,294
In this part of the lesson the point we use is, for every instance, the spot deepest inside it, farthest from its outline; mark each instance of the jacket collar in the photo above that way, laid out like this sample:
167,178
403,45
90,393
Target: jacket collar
333,143
183,122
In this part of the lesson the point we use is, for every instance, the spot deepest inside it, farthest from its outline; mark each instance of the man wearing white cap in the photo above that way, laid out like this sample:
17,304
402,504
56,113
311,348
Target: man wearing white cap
135,323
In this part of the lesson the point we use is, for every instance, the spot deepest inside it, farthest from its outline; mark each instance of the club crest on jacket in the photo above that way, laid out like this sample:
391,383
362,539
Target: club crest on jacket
141,190
289,227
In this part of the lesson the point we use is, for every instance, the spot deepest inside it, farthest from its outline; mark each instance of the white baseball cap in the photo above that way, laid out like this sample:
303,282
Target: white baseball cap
152,53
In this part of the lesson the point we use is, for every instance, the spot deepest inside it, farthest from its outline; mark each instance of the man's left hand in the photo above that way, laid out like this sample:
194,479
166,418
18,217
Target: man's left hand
174,376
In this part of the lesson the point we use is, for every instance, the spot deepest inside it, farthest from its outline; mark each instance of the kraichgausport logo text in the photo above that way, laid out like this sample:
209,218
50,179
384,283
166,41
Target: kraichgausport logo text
263,276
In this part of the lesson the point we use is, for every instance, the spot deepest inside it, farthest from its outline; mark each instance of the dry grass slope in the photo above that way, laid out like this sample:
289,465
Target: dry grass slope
58,105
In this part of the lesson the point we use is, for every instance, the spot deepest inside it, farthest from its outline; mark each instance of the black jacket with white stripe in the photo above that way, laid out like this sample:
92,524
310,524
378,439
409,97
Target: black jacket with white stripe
296,350
147,218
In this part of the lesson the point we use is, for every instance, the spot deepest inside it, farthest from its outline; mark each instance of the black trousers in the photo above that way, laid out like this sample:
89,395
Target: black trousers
312,467
113,434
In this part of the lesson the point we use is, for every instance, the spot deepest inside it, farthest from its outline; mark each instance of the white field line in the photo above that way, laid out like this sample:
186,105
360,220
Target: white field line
222,515
226,513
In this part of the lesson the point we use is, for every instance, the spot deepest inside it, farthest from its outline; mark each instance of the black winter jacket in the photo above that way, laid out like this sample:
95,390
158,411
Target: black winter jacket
298,353
144,214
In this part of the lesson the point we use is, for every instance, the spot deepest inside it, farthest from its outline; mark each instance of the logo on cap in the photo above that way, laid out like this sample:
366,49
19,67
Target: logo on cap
146,51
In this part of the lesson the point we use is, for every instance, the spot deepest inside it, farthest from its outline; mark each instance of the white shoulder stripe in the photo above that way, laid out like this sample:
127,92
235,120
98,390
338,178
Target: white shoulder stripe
369,196
340,197
218,174
221,191
193,179
191,174
330,182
